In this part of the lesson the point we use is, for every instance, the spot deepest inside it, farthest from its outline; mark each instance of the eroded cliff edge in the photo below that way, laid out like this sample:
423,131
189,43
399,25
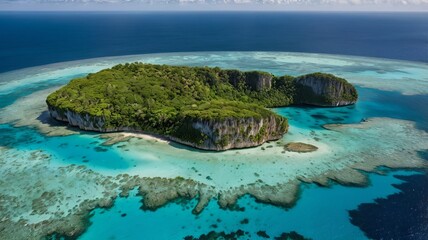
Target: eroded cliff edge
207,134
206,108
321,89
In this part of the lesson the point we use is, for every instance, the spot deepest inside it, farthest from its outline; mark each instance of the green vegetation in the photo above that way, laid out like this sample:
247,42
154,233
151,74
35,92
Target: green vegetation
169,99
155,97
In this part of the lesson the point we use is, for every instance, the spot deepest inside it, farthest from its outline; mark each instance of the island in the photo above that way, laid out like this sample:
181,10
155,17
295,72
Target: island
299,147
204,107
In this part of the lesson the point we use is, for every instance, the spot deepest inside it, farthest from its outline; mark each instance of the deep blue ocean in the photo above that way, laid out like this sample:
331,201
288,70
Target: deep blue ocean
31,39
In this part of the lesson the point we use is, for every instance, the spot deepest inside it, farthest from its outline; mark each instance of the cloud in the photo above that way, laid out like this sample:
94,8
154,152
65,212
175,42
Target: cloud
325,5
315,2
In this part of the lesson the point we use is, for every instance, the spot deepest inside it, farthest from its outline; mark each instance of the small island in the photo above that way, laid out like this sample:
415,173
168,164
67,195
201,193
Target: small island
203,107
299,147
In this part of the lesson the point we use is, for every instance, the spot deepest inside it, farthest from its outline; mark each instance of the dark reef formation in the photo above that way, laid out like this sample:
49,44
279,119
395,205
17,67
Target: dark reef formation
206,108
403,215
240,234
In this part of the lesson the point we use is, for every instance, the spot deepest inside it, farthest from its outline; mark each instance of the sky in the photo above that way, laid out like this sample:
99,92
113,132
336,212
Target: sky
213,5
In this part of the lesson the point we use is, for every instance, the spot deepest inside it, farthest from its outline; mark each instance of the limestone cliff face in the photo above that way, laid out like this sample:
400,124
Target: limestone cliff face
324,90
83,121
254,80
214,135
258,81
234,133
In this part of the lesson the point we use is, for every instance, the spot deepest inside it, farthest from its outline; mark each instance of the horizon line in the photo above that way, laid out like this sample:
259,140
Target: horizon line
214,10
205,7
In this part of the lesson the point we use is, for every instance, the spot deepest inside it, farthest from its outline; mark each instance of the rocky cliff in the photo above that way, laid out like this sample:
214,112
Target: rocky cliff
254,80
231,132
258,81
323,89
203,134
83,121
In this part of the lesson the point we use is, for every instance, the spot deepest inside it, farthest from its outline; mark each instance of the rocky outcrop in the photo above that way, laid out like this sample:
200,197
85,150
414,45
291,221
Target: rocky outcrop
299,147
326,90
83,121
254,80
212,134
231,132
258,81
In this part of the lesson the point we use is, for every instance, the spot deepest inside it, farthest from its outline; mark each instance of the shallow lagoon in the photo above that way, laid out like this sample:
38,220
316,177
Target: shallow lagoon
392,90
321,213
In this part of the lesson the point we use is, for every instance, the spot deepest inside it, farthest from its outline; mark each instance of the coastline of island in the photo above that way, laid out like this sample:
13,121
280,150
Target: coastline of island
202,107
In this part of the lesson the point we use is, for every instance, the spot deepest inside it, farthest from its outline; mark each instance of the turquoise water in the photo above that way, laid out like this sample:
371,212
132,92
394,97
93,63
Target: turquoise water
321,213
391,89
372,103
80,149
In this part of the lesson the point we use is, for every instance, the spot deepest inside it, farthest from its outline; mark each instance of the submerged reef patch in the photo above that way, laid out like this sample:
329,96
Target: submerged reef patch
299,147
31,111
47,199
240,234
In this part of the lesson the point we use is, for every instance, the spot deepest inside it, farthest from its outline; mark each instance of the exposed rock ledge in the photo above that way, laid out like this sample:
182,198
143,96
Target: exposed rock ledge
300,147
321,89
203,134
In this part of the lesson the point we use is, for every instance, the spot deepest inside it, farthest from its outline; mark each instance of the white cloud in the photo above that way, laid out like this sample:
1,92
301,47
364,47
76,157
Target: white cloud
323,5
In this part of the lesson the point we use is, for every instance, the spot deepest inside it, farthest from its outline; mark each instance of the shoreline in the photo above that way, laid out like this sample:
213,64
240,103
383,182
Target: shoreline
146,136
117,137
